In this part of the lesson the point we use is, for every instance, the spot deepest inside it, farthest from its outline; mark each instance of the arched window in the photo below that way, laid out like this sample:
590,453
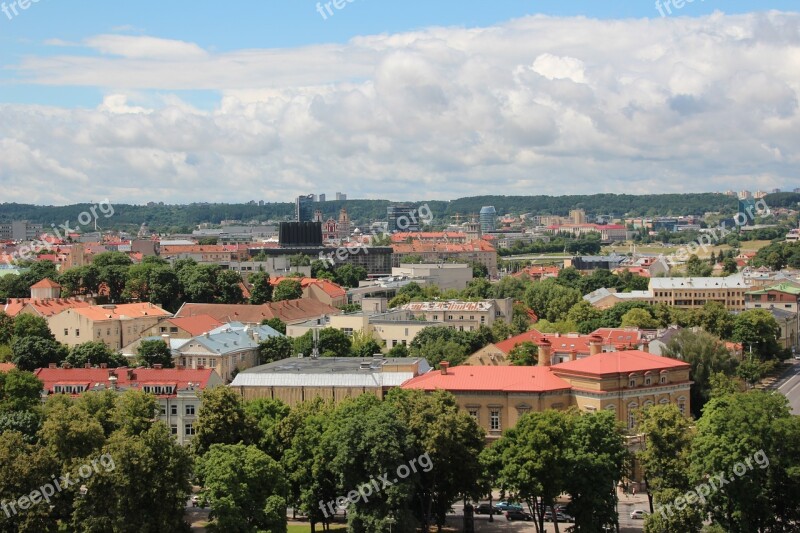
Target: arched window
632,414
682,405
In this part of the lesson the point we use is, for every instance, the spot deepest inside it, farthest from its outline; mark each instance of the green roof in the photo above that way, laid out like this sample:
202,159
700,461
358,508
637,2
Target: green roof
788,288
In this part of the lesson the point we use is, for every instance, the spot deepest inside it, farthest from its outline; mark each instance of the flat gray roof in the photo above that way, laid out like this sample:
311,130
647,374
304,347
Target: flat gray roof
334,365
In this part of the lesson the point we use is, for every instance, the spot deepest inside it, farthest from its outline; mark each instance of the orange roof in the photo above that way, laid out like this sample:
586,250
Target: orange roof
624,362
289,311
330,288
46,283
115,312
490,378
7,367
428,235
197,324
565,343
43,306
126,378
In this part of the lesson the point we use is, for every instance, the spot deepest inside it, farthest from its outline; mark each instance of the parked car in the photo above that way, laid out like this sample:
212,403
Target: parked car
638,514
508,506
562,517
485,508
518,515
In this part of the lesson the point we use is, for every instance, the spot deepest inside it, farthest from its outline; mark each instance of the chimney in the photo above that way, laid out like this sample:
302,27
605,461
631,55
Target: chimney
621,347
158,366
595,345
645,347
165,338
104,365
66,365
443,366
87,365
573,355
52,365
545,351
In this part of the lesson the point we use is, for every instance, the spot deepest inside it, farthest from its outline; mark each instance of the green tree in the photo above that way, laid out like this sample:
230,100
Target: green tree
152,281
332,343
134,412
154,352
276,324
112,270
221,420
6,328
550,300
478,288
267,413
757,330
697,268
707,356
69,432
139,483
479,270
729,266
287,289
364,344
716,319
275,349
25,467
348,276
30,353
639,318
245,488
229,287
95,353
19,391
524,354
261,291
27,325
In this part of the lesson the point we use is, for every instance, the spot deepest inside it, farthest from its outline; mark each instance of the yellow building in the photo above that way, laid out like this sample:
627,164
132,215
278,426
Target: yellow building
114,325
693,293
623,382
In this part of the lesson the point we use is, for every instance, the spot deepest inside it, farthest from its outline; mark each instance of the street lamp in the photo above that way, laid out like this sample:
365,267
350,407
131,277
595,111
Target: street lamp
390,521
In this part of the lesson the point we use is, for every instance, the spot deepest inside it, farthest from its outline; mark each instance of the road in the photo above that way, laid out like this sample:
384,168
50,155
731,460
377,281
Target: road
789,386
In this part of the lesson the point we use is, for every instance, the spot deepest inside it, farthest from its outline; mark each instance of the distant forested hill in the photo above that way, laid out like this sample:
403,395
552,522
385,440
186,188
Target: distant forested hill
180,218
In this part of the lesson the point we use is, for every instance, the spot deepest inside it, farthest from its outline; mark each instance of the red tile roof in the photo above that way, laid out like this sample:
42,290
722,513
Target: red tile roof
572,341
7,367
490,378
195,325
289,311
46,283
115,312
624,362
126,378
428,236
330,288
477,245
44,306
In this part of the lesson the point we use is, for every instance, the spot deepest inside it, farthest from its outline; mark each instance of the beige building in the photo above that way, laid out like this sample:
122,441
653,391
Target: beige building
464,316
443,275
623,382
115,325
331,378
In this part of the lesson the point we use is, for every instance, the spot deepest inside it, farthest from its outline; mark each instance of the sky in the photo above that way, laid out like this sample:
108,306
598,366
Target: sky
190,101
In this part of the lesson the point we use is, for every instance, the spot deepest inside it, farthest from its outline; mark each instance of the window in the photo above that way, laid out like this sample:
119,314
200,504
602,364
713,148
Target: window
494,420
78,333
483,319
174,429
348,331
632,383
173,410
173,329
66,332
190,410
632,415
648,381
473,412
663,380
460,328
108,331
162,410
449,317
436,317
394,343
682,405
188,430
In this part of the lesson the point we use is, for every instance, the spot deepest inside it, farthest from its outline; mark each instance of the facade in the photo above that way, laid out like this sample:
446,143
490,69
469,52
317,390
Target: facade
227,349
608,232
331,378
392,327
206,253
377,260
622,382
478,251
784,296
115,325
488,219
402,218
20,230
443,275
183,328
464,316
304,208
693,293
176,389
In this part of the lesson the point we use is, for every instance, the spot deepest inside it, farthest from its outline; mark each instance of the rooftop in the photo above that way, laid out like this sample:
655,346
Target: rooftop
490,378
730,282
126,378
337,365
624,362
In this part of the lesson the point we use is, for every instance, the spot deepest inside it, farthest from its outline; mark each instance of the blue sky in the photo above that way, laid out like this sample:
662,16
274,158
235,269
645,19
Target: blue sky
185,101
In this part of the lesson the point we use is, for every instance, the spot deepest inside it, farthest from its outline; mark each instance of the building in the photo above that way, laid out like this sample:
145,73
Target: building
177,390
478,251
464,316
608,232
45,301
443,275
693,293
304,208
206,253
623,382
322,197
184,327
587,263
376,260
289,311
115,325
577,216
341,197
785,296
298,380
343,227
20,230
228,349
321,290
45,289
559,348
402,218
488,218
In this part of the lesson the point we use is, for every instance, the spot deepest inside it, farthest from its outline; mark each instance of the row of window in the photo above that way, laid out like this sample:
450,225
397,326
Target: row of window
633,407
188,429
648,380
189,410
